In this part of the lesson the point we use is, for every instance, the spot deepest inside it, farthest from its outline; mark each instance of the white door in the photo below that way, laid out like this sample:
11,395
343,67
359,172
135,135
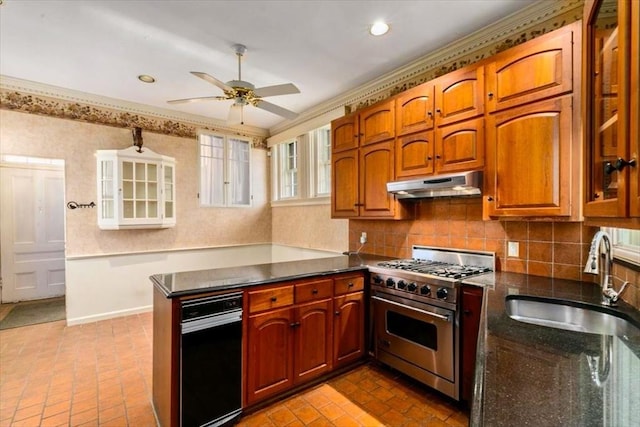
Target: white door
31,233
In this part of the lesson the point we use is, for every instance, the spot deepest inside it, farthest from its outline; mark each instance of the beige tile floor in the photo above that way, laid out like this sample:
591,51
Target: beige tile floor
99,374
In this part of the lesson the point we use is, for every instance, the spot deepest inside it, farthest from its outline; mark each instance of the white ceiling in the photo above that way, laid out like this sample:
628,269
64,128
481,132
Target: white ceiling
322,46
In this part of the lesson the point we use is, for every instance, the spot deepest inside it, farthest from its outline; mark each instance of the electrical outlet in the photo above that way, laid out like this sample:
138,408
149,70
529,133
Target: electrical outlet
363,237
513,249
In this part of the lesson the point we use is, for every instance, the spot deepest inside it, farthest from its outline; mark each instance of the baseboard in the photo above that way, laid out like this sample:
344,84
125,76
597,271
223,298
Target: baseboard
108,315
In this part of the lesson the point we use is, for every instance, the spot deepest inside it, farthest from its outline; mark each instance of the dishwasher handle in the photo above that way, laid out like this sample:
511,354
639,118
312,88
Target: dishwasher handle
211,321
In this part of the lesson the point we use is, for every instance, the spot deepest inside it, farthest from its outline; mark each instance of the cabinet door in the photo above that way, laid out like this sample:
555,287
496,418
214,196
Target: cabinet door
611,113
538,69
313,340
348,328
344,133
470,306
270,354
344,182
377,123
459,95
530,163
377,170
414,154
460,146
168,193
414,110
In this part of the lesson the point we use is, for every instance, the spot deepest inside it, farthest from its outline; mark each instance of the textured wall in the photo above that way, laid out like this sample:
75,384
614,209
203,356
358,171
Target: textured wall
551,249
309,227
76,143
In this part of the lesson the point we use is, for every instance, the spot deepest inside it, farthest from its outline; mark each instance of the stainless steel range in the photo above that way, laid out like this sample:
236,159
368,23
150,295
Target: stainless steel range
415,312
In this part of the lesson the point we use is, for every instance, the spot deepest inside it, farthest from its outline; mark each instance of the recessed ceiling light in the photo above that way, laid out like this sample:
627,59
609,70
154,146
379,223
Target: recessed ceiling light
379,28
146,78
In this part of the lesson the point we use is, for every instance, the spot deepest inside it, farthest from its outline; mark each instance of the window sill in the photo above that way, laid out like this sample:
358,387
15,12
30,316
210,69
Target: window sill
301,202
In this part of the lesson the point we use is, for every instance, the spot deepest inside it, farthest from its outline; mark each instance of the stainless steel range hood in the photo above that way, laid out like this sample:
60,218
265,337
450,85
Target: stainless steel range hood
451,185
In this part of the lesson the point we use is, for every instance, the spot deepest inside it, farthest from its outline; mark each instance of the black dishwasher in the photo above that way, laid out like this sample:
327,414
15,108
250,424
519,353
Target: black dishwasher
211,361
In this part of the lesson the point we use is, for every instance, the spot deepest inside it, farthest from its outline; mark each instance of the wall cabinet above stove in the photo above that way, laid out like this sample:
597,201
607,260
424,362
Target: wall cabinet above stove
135,190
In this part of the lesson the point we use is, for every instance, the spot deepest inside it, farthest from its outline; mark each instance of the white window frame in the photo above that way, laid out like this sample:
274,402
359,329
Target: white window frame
308,172
227,172
629,253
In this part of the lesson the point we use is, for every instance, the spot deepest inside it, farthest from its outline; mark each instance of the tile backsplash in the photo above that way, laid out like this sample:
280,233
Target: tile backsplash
551,249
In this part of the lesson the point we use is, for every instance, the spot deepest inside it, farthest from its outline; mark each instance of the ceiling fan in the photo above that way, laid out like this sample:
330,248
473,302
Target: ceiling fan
244,93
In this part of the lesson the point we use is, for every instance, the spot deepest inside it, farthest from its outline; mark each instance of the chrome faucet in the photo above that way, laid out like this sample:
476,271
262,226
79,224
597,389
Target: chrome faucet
609,295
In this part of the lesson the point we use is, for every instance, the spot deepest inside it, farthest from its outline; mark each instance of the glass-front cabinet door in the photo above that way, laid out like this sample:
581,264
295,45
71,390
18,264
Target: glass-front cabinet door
611,152
135,190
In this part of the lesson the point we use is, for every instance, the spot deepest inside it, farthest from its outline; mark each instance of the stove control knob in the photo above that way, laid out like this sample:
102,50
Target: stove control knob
412,287
377,280
402,284
425,290
390,282
442,293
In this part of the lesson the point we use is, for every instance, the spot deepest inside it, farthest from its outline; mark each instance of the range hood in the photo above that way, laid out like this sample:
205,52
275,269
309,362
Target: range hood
451,185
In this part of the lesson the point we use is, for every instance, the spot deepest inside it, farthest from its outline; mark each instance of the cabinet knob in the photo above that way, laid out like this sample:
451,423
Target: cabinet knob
489,199
337,313
437,156
315,291
466,312
429,113
439,111
350,285
621,163
274,299
490,95
294,324
428,157
596,195
609,168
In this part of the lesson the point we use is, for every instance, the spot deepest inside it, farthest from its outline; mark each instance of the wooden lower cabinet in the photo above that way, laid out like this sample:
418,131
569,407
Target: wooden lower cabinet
312,356
470,308
321,328
348,344
270,368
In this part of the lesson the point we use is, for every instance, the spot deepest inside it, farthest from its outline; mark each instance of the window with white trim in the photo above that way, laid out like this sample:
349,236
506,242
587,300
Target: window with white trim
302,168
626,244
225,170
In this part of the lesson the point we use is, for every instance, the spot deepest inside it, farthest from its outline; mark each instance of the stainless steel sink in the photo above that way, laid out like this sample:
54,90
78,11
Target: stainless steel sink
568,315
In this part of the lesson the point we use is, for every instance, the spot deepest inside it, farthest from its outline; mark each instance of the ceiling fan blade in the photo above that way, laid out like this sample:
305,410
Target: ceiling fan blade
235,115
275,109
202,98
206,77
285,89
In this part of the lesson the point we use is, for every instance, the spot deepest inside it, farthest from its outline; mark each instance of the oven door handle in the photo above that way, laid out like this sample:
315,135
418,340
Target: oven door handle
428,313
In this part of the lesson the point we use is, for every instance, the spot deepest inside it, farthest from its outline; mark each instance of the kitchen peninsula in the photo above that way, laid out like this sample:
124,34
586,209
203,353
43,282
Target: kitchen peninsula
525,373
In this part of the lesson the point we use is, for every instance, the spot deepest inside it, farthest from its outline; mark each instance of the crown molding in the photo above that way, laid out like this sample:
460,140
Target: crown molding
8,83
516,23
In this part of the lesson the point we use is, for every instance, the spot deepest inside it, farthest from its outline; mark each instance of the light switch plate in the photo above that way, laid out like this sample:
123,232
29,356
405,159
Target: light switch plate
513,249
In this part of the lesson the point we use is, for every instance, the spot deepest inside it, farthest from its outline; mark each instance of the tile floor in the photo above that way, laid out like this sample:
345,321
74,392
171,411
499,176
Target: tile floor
99,374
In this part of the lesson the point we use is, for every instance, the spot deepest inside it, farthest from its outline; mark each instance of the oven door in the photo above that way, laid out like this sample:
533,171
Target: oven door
418,333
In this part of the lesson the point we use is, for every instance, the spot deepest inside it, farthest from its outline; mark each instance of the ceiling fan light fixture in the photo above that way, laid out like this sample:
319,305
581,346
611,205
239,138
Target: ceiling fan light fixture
146,78
379,28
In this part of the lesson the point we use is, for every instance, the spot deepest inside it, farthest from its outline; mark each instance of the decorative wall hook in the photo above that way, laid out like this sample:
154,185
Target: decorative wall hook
76,205
137,138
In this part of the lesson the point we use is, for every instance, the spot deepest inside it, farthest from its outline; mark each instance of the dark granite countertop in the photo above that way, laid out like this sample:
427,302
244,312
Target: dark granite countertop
219,279
530,375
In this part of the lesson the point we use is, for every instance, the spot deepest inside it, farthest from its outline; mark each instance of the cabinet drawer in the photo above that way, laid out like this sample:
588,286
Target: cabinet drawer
315,290
267,299
343,285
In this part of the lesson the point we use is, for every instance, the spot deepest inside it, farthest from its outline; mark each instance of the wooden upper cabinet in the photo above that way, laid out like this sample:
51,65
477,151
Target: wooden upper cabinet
532,161
344,133
610,114
460,146
376,162
377,123
414,110
459,95
414,154
538,69
344,181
